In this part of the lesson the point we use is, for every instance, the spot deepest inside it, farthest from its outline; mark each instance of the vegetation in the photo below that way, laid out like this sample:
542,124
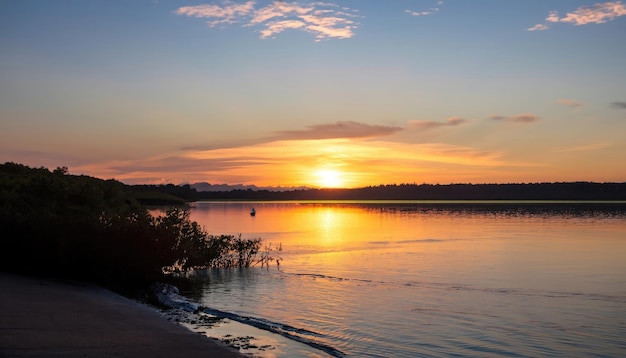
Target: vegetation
579,191
168,194
82,227
529,191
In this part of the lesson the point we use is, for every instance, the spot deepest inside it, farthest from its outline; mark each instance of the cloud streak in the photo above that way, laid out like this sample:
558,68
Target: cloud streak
229,13
362,162
619,105
341,129
430,11
599,13
539,27
569,102
323,20
518,118
426,125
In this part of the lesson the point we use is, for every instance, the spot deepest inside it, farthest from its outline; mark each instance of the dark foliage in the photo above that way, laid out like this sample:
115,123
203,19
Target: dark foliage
531,191
85,228
164,194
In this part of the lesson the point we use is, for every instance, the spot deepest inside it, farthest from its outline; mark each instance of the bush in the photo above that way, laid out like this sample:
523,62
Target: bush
93,229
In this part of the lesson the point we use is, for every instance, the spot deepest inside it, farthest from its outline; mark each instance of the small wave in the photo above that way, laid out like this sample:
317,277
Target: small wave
413,241
331,278
258,322
438,310
522,292
169,296
460,287
278,328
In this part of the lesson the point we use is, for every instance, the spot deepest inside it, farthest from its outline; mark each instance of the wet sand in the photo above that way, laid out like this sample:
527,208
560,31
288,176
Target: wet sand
44,318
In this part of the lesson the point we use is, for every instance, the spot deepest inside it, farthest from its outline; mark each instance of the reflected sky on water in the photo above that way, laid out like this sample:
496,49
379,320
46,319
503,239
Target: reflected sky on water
397,279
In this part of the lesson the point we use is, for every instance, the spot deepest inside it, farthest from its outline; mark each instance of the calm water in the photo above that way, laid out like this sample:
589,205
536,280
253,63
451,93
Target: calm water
419,279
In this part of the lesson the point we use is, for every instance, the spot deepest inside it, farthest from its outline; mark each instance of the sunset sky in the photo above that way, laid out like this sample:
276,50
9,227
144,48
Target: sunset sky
345,93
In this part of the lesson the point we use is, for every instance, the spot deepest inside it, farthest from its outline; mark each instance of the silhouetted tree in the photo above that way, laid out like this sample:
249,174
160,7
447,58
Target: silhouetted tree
82,227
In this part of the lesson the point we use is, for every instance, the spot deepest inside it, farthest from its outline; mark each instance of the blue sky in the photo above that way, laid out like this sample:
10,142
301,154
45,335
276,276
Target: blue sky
279,93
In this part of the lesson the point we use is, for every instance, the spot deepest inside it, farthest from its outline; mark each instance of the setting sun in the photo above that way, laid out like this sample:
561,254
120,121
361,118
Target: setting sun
329,178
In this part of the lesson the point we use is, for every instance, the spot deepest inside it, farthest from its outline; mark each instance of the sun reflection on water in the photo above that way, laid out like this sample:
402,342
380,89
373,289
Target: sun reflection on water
329,225
399,275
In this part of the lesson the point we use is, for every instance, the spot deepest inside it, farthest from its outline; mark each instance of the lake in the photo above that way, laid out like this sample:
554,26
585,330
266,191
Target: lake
407,279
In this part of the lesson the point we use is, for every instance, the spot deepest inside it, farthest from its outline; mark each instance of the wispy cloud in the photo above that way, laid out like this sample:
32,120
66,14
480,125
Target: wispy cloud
323,20
539,27
518,118
619,105
341,129
228,13
338,130
569,102
425,125
294,162
596,14
430,11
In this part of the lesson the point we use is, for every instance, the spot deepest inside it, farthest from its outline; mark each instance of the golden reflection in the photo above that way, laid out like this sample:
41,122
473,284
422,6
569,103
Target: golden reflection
367,241
328,222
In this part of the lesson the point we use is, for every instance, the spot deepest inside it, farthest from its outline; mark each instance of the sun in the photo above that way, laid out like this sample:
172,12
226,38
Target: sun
329,178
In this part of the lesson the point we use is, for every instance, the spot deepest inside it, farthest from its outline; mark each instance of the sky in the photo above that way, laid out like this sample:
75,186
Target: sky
341,93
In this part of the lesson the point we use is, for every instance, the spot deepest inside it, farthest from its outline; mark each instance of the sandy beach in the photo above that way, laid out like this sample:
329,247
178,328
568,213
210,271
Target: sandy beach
44,318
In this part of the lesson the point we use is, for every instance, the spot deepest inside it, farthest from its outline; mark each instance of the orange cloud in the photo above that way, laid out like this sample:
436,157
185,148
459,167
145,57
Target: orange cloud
341,129
425,125
280,26
596,14
569,102
324,20
518,118
539,27
227,14
295,162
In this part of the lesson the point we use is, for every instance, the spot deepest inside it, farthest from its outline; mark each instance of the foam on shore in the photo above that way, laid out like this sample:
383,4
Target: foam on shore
251,335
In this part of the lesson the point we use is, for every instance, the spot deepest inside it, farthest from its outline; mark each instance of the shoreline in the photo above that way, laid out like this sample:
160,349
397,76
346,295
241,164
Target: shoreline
47,318
255,337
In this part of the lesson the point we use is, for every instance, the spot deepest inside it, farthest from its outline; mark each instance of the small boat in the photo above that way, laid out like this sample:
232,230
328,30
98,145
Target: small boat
252,212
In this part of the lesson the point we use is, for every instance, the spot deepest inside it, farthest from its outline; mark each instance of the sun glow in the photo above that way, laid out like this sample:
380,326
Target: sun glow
327,178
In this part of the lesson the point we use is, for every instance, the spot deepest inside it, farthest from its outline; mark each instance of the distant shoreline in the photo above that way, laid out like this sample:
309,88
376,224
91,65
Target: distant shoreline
425,202
480,207
548,192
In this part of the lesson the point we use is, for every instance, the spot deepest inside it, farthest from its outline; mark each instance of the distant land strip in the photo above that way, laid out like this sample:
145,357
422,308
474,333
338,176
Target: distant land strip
579,191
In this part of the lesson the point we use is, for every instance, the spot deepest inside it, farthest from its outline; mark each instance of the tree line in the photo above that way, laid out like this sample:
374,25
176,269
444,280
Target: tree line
168,194
524,191
76,226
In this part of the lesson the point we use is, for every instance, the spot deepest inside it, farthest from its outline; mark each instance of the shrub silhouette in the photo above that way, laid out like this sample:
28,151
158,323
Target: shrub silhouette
57,224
